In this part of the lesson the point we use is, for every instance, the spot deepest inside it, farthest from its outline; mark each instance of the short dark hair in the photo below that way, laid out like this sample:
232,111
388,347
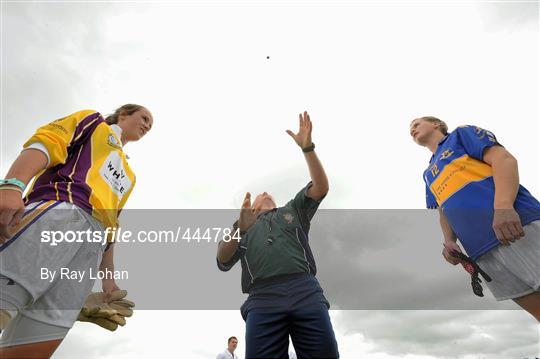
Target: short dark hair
231,338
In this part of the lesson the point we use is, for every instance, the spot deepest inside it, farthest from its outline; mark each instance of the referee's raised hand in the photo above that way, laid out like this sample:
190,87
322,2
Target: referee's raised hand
303,137
247,214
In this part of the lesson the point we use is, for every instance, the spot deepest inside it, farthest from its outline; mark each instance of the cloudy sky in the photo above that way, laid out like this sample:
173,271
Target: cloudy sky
224,81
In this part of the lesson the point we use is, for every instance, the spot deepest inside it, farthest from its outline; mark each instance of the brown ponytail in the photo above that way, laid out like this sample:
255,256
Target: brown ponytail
127,109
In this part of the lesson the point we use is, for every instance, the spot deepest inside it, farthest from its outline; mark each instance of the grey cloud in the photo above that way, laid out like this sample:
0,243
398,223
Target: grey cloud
509,15
53,55
446,334
389,259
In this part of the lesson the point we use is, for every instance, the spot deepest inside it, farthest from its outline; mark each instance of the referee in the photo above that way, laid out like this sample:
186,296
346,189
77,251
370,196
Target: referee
278,268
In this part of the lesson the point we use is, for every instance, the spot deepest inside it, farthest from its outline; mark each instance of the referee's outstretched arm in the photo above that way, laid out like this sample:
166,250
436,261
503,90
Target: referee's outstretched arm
319,187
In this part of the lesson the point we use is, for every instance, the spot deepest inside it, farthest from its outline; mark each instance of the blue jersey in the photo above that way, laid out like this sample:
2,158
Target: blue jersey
462,184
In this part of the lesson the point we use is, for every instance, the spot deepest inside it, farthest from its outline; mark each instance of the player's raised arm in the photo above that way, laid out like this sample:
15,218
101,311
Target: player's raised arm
320,185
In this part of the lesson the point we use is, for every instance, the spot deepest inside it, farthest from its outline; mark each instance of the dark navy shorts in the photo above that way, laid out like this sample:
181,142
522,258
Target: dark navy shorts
295,307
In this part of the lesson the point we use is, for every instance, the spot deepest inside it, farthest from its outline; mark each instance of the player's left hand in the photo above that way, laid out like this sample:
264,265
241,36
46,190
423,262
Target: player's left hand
108,285
507,225
303,137
449,247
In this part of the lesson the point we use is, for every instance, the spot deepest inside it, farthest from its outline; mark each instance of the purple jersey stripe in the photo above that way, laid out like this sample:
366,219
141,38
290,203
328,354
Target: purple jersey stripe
71,176
63,192
61,172
79,136
80,193
46,177
80,189
83,164
73,159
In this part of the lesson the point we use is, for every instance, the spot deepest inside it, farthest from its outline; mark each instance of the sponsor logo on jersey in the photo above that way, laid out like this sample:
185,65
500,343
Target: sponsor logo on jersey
481,133
114,174
289,218
56,126
111,140
491,137
446,154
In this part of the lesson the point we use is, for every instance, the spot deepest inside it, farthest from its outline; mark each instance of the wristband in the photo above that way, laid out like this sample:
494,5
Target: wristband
235,228
309,148
14,182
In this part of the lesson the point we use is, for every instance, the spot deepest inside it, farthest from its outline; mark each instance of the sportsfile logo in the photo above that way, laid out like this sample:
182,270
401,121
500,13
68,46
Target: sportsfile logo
118,234
115,175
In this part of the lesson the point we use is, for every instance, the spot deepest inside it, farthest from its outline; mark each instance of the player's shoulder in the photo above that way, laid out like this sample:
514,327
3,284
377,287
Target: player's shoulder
467,129
87,112
83,112
475,130
81,115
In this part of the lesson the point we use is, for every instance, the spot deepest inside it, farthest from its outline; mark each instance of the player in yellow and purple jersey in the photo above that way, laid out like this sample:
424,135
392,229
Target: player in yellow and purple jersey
95,174
473,181
82,181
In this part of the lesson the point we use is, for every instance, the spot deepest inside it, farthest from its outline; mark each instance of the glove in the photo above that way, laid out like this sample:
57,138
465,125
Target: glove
109,314
474,270
102,322
95,306
118,302
123,307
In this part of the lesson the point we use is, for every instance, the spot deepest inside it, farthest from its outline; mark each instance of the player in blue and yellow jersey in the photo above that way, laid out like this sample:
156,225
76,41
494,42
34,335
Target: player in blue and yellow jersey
82,180
473,181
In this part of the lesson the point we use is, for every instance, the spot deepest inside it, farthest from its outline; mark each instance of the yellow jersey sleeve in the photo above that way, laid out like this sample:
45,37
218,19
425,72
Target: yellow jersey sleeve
58,135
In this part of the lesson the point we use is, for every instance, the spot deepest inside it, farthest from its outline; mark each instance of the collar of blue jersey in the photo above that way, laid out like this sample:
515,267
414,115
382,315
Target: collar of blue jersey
441,141
439,146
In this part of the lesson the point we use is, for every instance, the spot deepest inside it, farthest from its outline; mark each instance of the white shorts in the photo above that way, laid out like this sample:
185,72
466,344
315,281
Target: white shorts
56,301
20,329
514,269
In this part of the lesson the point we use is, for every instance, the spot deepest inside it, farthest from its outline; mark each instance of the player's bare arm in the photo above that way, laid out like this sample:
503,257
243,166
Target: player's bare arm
107,263
506,221
450,239
319,180
24,168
